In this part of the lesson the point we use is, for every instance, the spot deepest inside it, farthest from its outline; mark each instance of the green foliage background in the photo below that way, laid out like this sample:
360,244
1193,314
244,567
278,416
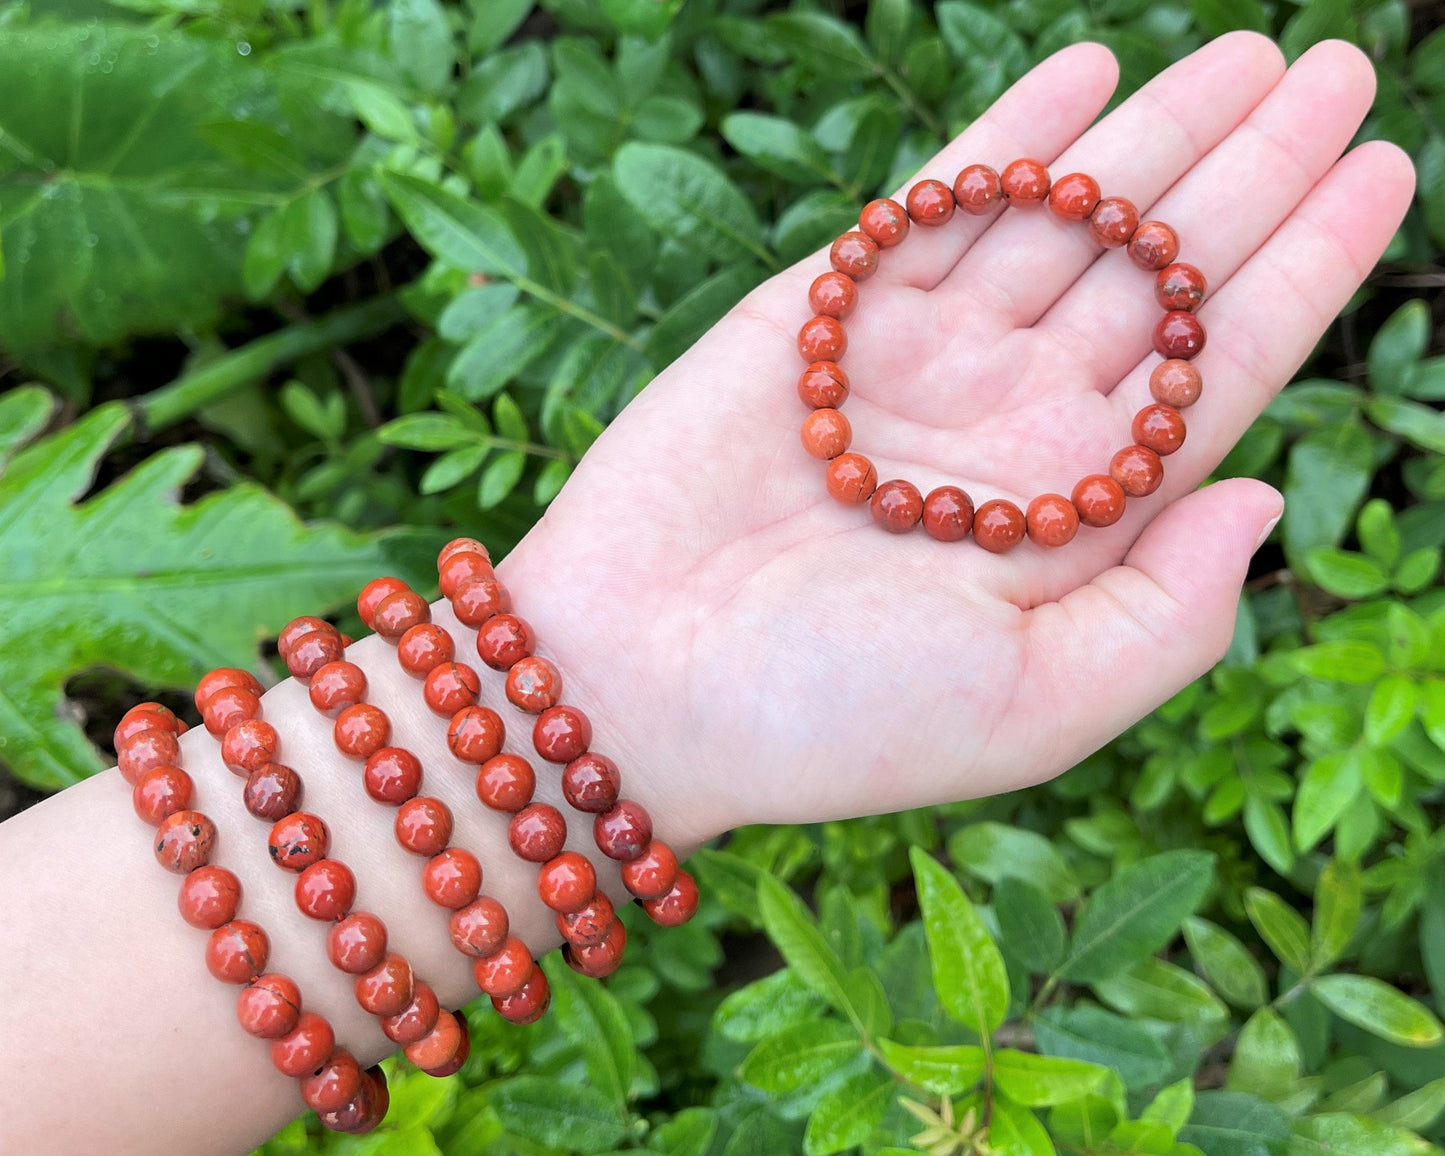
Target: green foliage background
346,276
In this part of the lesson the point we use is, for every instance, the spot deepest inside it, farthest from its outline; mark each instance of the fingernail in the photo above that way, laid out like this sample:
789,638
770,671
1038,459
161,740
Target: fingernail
1264,534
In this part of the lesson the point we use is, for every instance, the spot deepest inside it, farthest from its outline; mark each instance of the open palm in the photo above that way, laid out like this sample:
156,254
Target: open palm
718,612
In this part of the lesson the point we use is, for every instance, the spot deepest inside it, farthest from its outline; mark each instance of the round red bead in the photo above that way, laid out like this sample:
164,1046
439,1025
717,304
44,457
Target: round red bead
851,479
414,1021
505,970
228,707
1099,500
561,733
533,685
220,678
506,783
387,988
930,202
392,776
1176,383
977,189
460,568
1138,470
529,1003
504,640
1159,428
856,255
298,840
185,841
305,1047
373,594
336,686
677,906
147,749
947,514
451,687
457,546
998,526
823,385
624,831
440,1045
272,792
1073,196
145,716
479,599
833,294
600,959
897,506
479,928
160,793
822,338
357,943
826,433
652,874
476,734
452,878
425,647
423,825
537,832
1113,222
397,613
209,897
250,746
1052,520
296,629
589,924
269,1006
885,221
365,1111
1025,182
237,951
567,882
590,782
333,1084
326,890
311,652
1153,245
1179,286
361,730
1179,334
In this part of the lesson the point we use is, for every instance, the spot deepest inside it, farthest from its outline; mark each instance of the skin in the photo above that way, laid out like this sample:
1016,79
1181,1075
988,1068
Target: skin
748,650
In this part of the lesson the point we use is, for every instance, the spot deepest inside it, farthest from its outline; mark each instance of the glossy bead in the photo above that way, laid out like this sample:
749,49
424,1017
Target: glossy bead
452,878
652,874
624,831
567,883
1178,334
1073,196
504,640
298,840
237,951
480,927
223,677
457,545
977,189
451,687
392,776
272,792
185,841
462,567
423,825
1099,500
505,970
459,1057
1138,470
600,959
529,1003
947,514
363,1113
855,255
250,746
833,294
1153,245
823,385
588,924
305,1047
333,1084
425,647
533,685
826,433
160,793
1176,383
296,629
506,783
416,1019
476,734
311,652
145,716
373,594
998,526
822,338
439,1045
1179,286
387,988
326,890
357,943
885,221
478,600
361,730
1113,222
336,686
851,479
1025,183
397,613
1159,428
228,707
269,1006
209,897
677,906
145,750
897,506
591,782
930,202
561,733
537,832
1052,520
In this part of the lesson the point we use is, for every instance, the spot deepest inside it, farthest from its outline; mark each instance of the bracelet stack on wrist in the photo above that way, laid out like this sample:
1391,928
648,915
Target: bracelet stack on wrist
303,1043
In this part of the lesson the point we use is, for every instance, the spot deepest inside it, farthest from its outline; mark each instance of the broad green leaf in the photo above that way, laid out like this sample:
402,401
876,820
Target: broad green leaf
984,44
1344,1134
1418,424
1136,912
310,229
791,926
111,581
826,46
1226,963
887,27
688,1133
801,1055
593,1019
23,414
1345,660
847,1115
1266,1057
470,237
1156,989
698,310
494,22
364,216
995,851
1345,573
648,18
1216,17
421,42
1100,1037
968,970
1030,925
760,1133
556,1114
499,351
1329,473
944,1070
1391,707
1328,787
1172,1106
500,478
1378,532
1314,21
1338,899
1017,1131
1236,1124
682,195
1040,1081
1268,831
1415,1110
766,1007
1380,1009
1397,345
777,145
1281,927
504,82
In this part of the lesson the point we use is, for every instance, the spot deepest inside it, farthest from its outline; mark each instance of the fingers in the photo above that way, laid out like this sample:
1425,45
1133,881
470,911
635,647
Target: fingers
1038,117
1029,258
1108,652
1224,208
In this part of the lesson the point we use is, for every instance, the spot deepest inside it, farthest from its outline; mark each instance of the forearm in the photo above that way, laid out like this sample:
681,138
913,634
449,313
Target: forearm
116,1034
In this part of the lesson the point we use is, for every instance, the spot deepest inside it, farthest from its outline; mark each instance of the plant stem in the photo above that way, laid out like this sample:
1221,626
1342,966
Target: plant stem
240,367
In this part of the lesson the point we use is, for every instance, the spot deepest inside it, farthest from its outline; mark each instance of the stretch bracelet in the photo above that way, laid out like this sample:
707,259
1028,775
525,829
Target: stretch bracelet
948,513
269,1007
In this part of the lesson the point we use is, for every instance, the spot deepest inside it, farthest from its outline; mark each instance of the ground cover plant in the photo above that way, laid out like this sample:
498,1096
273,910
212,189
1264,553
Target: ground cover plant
346,278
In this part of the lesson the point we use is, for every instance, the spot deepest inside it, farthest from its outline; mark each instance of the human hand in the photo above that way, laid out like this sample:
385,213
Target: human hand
761,653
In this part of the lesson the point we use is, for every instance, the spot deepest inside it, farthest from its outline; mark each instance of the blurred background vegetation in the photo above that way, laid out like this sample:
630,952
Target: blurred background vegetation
347,277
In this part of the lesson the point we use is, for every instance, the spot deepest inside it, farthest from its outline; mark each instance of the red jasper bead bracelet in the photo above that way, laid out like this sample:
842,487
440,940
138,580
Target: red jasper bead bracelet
948,513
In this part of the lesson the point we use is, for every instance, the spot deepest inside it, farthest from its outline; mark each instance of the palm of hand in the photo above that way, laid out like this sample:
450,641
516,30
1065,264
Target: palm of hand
734,619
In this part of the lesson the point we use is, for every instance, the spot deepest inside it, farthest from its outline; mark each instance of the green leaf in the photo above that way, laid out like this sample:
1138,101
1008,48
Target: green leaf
847,1115
453,467
968,970
1344,1134
1378,532
1415,1110
698,310
1281,927
801,1055
1226,963
1416,423
504,82
760,1133
765,1007
1100,1037
1397,345
501,350
593,1019
887,27
1030,925
381,110
1343,660
1328,787
556,1114
469,237
1268,831
426,431
1040,1081
1015,1130
1346,574
1136,912
1317,20
500,478
1216,17
24,411
309,228
1380,1009
107,582
1391,707
792,928
1338,900
1172,1106
777,145
1329,473
994,852
945,1070
1266,1057
680,194
1236,1124
983,43
1156,989
364,217
689,1133
824,45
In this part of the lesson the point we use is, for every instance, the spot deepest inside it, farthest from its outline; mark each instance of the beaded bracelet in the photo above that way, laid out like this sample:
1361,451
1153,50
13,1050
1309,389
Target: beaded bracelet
269,1007
947,513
